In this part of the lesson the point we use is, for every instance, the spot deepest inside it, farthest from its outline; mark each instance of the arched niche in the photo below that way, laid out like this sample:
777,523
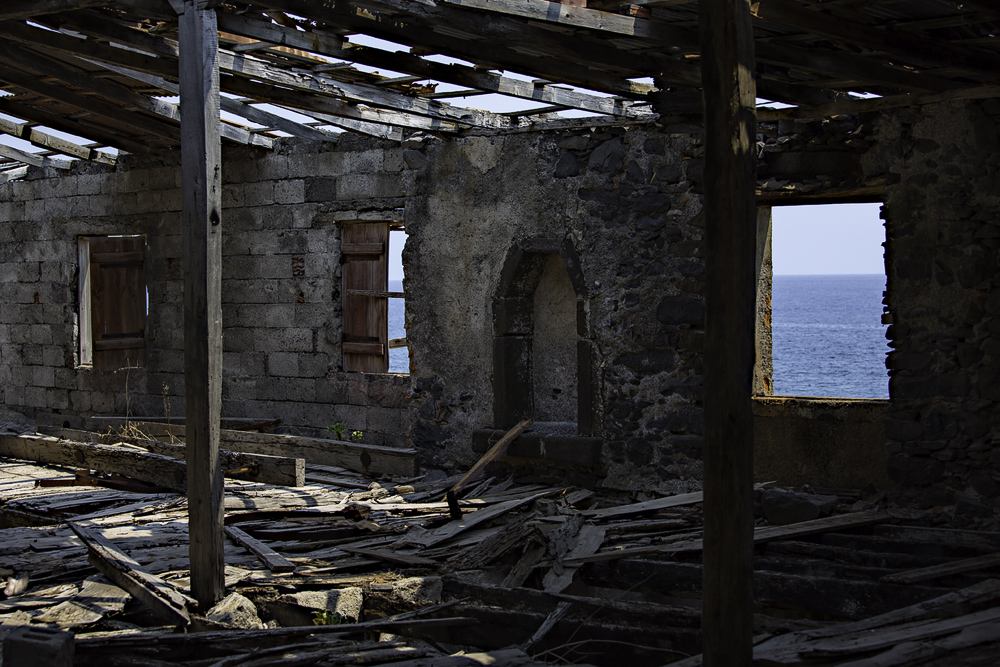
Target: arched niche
543,352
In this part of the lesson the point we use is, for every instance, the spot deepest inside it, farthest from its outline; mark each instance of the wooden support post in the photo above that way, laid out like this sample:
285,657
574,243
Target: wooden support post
727,62
201,159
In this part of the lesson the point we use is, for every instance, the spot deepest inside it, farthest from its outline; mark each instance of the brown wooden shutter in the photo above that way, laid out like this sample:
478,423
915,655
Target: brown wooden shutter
366,317
118,301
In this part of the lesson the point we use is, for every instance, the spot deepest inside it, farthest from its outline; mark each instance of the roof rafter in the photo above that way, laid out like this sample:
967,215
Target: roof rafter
333,45
41,139
31,159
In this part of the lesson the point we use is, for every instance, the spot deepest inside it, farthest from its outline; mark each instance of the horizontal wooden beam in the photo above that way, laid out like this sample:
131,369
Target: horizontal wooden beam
539,52
363,348
876,103
151,468
284,470
31,159
44,140
333,45
13,174
78,126
239,108
916,48
25,9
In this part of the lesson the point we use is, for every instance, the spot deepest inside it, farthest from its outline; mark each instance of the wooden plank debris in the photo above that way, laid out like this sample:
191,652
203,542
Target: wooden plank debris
475,472
161,598
152,468
944,570
367,459
273,560
96,599
647,506
267,469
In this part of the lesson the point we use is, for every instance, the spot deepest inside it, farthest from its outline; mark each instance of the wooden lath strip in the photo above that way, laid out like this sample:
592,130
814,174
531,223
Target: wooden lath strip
461,75
44,140
114,99
32,159
23,9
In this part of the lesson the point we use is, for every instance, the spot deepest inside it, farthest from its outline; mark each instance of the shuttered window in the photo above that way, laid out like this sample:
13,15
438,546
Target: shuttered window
364,252
112,301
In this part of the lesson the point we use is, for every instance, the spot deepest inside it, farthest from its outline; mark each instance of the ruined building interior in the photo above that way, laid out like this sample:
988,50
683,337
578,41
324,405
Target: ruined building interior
585,462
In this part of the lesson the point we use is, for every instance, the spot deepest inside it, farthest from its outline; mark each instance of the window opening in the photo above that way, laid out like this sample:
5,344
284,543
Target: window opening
399,353
827,301
365,253
113,301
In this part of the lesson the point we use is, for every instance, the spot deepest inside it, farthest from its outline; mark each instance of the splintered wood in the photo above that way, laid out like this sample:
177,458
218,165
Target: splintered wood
569,576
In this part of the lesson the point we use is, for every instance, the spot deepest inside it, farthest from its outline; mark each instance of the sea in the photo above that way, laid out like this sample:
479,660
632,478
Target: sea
827,335
399,361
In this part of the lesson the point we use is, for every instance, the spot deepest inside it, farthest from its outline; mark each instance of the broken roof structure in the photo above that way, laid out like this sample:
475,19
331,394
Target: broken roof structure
669,178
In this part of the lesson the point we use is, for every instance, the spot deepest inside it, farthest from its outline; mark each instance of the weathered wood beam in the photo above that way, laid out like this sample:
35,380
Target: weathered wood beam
151,468
25,9
79,127
201,166
391,107
585,63
104,92
727,62
13,174
915,48
867,105
253,114
364,127
358,93
461,75
283,470
314,105
580,17
162,599
38,138
32,159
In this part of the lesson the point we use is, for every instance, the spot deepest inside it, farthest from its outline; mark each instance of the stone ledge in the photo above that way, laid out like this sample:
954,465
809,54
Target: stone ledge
573,449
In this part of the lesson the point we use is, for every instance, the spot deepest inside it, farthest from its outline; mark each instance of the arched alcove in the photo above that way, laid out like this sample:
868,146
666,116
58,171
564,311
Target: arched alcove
542,349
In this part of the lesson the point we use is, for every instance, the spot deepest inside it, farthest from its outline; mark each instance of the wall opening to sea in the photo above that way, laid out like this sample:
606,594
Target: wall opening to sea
827,301
399,353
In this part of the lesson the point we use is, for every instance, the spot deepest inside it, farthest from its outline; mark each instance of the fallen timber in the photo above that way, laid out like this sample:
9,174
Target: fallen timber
366,459
567,576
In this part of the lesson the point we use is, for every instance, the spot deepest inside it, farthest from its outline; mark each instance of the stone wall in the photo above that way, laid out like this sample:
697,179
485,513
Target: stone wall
943,219
621,202
825,443
281,285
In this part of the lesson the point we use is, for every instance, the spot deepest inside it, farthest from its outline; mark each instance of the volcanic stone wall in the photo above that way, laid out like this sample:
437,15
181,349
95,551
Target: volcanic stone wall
943,218
617,206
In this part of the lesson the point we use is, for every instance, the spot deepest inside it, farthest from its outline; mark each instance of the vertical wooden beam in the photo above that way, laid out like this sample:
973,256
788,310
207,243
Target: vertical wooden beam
201,159
727,62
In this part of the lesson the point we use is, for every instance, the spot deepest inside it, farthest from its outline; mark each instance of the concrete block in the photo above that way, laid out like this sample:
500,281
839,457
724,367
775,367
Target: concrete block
370,186
387,420
347,602
41,334
290,192
28,272
31,355
331,391
260,194
29,646
273,166
43,376
233,195
80,401
283,364
58,399
270,315
236,611
35,397
321,189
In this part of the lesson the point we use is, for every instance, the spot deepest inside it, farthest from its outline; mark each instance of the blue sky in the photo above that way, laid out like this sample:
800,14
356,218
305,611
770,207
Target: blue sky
828,239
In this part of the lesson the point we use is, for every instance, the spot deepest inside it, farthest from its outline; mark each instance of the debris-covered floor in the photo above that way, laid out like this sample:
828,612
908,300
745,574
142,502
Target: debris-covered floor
351,569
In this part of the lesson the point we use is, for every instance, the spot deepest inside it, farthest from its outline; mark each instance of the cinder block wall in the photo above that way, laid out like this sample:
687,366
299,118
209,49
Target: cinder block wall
281,285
